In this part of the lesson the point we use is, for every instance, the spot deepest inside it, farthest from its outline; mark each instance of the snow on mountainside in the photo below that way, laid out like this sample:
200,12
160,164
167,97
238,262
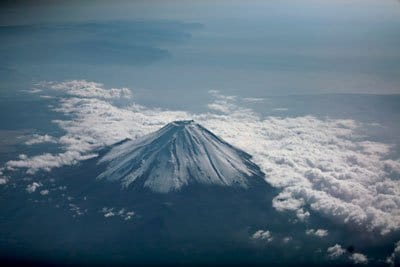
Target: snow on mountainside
180,153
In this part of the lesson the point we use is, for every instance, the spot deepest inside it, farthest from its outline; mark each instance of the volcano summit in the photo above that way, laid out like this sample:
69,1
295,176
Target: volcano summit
179,154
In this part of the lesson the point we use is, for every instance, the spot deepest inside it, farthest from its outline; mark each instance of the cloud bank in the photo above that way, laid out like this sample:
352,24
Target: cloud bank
320,165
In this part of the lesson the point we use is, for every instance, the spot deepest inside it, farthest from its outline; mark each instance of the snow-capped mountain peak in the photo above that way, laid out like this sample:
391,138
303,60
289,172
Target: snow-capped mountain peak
178,154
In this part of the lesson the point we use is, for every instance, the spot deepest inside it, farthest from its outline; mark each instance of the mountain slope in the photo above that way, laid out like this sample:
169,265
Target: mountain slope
180,153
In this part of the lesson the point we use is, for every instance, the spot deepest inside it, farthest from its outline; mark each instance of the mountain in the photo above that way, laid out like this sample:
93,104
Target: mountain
179,154
218,210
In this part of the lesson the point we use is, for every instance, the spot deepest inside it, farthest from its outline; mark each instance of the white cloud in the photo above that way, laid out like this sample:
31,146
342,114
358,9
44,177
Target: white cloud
122,213
394,258
39,139
32,187
222,103
82,88
280,109
75,209
253,99
287,239
109,214
44,192
3,179
302,215
47,97
33,90
318,232
262,235
128,215
335,251
48,161
358,258
320,165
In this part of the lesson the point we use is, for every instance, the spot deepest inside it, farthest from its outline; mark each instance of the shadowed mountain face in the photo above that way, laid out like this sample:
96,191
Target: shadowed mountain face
179,154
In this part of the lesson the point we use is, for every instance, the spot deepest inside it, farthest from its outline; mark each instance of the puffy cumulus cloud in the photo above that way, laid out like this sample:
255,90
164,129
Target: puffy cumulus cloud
358,258
319,165
318,232
302,215
82,88
335,251
32,187
39,139
262,235
122,213
394,258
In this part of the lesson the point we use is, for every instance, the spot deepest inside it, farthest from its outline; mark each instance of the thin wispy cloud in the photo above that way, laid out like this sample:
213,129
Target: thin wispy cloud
40,139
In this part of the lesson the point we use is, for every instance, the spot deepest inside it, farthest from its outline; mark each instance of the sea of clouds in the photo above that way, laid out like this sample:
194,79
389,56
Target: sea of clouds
319,165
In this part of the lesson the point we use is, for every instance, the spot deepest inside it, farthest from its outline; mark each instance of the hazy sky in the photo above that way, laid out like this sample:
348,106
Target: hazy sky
263,47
